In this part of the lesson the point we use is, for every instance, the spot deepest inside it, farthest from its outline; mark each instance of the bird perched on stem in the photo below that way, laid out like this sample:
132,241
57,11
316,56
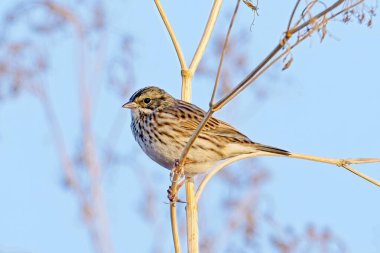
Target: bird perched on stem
162,125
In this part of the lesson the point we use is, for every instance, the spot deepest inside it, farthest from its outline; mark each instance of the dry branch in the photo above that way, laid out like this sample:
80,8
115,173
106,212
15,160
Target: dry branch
338,162
173,37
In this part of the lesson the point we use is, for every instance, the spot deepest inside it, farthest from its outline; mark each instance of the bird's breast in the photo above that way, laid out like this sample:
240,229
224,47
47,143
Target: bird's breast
156,141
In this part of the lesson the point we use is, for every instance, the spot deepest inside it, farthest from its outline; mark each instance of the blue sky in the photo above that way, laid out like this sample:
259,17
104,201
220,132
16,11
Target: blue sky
326,104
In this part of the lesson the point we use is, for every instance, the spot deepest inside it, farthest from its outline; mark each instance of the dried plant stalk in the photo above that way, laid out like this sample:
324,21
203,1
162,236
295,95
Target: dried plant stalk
206,35
173,37
338,162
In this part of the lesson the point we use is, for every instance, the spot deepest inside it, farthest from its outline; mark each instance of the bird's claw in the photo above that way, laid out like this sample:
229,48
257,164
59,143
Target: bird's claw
177,170
172,195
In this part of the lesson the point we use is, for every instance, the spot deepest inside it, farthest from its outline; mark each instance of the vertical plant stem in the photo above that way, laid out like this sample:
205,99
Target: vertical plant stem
192,218
187,77
175,233
176,44
206,35
191,207
225,45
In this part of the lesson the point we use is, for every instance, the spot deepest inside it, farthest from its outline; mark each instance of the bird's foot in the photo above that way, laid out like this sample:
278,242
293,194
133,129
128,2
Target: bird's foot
177,170
173,195
173,192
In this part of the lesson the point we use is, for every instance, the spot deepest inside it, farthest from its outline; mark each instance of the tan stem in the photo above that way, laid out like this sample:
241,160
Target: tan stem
174,223
186,85
218,168
177,47
192,218
186,96
338,162
187,75
225,45
254,73
191,207
206,36
319,15
192,139
292,15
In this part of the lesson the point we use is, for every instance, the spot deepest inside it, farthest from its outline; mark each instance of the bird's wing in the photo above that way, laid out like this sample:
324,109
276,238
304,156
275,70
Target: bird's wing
193,116
189,116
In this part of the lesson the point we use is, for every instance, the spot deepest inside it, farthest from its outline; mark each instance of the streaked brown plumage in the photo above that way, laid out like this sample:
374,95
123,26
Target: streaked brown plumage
162,125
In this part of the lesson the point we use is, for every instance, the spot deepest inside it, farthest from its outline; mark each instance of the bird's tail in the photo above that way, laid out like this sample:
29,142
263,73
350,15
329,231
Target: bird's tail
270,149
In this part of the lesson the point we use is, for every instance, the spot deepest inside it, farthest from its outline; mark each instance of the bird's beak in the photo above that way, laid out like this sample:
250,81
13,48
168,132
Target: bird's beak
130,105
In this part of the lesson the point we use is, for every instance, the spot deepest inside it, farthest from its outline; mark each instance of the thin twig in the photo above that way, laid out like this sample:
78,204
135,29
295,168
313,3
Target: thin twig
319,15
192,217
174,224
206,36
346,9
218,168
251,76
292,15
339,162
191,141
225,46
305,12
246,81
169,28
173,214
187,74
358,173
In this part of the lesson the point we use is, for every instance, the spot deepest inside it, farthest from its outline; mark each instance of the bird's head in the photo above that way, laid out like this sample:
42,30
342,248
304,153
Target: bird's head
149,99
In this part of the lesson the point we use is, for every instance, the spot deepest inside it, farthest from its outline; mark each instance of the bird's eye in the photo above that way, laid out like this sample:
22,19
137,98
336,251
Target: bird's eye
147,100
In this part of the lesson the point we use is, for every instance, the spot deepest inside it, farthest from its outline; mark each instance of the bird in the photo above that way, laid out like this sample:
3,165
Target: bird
162,126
